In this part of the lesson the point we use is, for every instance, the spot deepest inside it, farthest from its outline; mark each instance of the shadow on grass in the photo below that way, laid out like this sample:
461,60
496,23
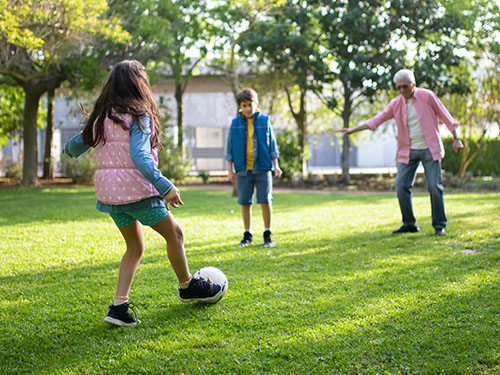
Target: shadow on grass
334,303
26,206
415,304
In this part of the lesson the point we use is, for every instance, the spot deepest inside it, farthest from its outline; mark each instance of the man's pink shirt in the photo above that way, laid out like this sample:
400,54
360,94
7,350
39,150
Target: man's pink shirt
429,109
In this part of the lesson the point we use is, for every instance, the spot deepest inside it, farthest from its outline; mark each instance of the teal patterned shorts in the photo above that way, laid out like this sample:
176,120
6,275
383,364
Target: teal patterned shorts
149,216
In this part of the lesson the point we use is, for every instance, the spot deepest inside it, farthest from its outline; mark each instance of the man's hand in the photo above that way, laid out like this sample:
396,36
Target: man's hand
173,197
457,145
345,131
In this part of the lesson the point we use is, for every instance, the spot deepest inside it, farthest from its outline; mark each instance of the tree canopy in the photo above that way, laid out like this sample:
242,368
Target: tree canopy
39,40
344,51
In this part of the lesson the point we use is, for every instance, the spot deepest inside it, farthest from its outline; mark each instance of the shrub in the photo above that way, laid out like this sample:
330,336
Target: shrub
204,175
172,165
14,170
485,164
290,154
79,169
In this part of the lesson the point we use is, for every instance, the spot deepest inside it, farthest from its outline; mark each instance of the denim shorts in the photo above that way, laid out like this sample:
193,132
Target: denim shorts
149,216
247,181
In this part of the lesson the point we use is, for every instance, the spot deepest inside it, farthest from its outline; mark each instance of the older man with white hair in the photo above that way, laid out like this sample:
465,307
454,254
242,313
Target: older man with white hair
416,112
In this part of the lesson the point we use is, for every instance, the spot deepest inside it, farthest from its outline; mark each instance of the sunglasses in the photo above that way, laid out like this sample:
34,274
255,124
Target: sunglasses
402,87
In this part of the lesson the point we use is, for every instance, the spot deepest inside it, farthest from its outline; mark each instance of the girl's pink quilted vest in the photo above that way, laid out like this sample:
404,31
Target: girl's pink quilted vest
117,180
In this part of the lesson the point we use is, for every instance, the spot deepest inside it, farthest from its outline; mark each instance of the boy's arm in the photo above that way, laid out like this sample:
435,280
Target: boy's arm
230,171
75,146
277,170
273,152
229,158
273,147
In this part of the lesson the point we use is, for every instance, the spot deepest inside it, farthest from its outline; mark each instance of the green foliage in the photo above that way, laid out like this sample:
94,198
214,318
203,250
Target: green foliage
79,169
46,33
485,164
290,154
11,112
13,170
172,163
337,295
40,43
204,175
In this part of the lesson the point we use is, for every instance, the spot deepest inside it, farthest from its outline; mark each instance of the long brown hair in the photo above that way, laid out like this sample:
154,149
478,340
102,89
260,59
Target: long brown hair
126,91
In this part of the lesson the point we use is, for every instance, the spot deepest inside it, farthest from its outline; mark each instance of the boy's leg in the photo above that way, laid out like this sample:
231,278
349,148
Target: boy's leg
267,210
246,213
264,183
245,200
245,197
174,236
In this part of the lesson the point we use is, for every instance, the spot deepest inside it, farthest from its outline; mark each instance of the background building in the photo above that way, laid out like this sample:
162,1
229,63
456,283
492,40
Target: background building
209,107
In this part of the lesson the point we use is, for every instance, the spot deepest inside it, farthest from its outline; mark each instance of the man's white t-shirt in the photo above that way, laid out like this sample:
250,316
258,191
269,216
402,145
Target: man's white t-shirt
417,140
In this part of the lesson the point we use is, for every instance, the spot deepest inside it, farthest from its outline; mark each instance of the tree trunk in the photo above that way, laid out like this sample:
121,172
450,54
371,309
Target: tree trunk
33,90
302,123
180,118
48,167
30,149
346,145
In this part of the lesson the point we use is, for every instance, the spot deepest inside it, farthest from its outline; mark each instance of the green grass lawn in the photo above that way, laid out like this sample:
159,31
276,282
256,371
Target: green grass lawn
338,294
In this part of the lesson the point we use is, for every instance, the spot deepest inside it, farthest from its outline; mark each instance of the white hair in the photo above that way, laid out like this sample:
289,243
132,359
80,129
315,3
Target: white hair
404,75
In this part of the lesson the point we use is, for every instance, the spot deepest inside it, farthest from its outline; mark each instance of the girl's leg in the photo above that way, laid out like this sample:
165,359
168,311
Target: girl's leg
172,232
135,248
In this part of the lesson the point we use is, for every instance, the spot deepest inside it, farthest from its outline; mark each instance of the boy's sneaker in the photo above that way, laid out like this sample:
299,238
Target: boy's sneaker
247,239
121,316
201,290
268,239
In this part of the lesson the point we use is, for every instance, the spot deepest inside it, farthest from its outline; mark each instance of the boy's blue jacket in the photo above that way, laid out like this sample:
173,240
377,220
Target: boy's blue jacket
264,143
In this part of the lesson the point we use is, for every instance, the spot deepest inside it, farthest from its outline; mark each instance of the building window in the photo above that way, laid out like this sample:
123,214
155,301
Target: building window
209,164
208,137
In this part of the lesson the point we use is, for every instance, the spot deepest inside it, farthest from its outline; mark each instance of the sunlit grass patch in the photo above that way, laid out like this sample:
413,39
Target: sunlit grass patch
338,294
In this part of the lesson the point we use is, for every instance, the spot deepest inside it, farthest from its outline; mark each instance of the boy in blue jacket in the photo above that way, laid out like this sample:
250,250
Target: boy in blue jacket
252,156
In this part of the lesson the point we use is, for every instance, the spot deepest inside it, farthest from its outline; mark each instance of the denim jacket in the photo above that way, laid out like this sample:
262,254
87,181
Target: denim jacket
264,143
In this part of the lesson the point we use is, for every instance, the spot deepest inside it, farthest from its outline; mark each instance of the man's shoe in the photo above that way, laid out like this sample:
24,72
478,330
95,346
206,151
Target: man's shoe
201,290
406,229
121,316
440,232
247,239
268,239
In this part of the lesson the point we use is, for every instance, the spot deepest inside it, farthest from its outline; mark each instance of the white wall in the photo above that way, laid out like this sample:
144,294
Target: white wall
378,148
204,109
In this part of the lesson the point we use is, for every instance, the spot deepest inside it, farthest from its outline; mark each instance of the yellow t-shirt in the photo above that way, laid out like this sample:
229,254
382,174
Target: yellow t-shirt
250,144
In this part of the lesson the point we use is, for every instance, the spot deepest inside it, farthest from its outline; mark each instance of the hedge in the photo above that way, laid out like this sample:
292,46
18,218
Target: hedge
486,163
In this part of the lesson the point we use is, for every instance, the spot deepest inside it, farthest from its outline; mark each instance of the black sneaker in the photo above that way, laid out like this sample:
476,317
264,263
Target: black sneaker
121,316
268,239
201,290
247,239
406,229
440,232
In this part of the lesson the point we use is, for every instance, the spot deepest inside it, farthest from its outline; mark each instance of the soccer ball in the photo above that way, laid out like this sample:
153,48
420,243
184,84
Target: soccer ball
213,275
